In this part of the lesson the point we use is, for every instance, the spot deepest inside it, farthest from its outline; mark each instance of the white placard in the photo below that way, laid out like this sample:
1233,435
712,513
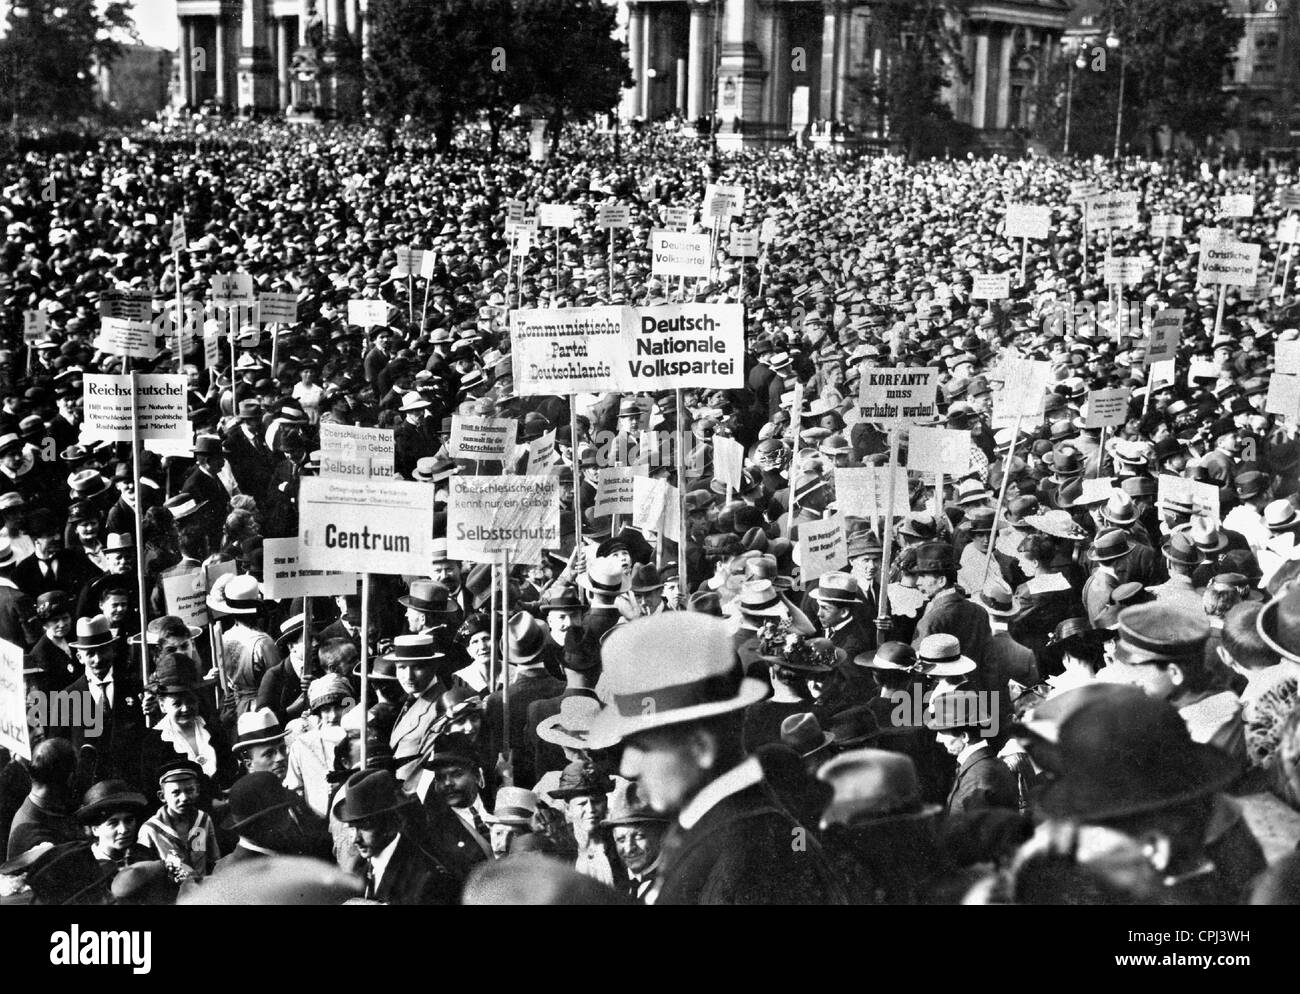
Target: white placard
1161,374
1028,221
613,216
615,490
1023,392
106,407
1237,205
34,325
1286,358
743,243
122,336
728,461
679,253
1123,270
370,526
1228,264
898,394
232,289
1166,330
488,515
284,577
1107,408
177,240
1166,226
991,286
678,218
14,734
557,215
1112,210
1283,396
278,308
367,313
410,261
353,451
482,439
863,491
821,547
939,450
541,453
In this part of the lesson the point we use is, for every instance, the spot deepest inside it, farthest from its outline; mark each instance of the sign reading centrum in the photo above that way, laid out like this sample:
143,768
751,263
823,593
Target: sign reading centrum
364,526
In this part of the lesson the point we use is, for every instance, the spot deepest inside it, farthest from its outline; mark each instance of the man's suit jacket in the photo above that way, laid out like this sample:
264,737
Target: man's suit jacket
252,462
450,841
15,608
415,877
739,852
950,613
211,492
118,746
411,735
983,781
236,856
529,684
74,568
1010,660
854,638
280,689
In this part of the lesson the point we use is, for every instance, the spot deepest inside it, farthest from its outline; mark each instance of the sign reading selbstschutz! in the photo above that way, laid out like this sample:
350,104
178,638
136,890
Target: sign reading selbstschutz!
489,515
597,349
364,526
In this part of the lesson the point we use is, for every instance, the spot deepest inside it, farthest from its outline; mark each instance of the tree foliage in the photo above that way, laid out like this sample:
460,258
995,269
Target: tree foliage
923,56
50,50
445,63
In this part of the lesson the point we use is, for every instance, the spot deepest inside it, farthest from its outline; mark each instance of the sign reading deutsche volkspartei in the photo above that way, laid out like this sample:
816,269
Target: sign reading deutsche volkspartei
898,393
1228,263
366,526
106,407
597,349
489,515
679,253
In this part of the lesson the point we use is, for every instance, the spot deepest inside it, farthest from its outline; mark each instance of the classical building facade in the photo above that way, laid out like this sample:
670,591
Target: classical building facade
782,65
271,55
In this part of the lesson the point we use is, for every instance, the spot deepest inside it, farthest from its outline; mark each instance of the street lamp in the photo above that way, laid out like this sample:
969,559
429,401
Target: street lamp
1080,63
1112,42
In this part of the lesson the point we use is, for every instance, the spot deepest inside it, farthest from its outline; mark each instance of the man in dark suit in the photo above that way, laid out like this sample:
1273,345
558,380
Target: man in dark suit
398,870
455,816
112,723
15,606
261,814
949,611
962,722
52,567
204,485
839,598
730,842
581,671
529,641
251,460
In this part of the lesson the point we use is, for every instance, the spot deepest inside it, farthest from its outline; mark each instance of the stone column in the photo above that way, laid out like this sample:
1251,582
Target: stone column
679,88
635,30
219,63
352,19
340,18
1004,80
830,48
282,43
186,55
980,77
256,83
302,28
843,30
647,48
777,56
699,68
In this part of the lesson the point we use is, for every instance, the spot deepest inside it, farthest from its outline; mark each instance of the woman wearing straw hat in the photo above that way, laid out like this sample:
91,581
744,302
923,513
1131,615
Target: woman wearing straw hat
247,650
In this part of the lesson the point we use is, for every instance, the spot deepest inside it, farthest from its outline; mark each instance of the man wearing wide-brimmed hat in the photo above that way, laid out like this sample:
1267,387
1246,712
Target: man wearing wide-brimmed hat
637,831
678,718
454,804
948,609
429,607
415,659
261,814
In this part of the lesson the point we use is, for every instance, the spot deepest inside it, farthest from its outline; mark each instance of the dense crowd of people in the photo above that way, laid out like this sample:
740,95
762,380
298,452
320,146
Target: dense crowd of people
1081,685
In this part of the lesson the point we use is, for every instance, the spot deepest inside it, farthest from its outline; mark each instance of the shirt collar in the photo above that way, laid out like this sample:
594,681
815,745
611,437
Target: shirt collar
255,847
970,751
734,781
379,863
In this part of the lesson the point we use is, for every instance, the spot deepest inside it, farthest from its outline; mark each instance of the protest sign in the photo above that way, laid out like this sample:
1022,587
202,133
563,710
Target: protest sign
1112,210
1081,190
1203,497
232,289
821,547
596,349
1122,270
677,253
353,451
1286,358
649,503
284,577
160,404
1260,289
939,450
366,313
1237,205
177,240
410,261
1288,198
734,198
520,239
185,595
898,394
991,286
541,453
1166,226
278,308
743,243
1161,374
212,349
1107,408
489,515
614,490
1023,393
1028,221
122,336
1283,397
728,461
1288,230
557,215
1166,330
129,305
767,231
678,218
482,439
34,325
370,526
613,216
514,211
1228,263
428,264
14,733
863,492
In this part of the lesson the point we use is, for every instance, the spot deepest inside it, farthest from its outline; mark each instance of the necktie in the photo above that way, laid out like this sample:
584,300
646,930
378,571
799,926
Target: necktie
370,883
479,827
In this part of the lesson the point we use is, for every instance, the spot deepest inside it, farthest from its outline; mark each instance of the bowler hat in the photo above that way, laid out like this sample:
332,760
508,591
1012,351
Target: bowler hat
1109,545
578,779
627,806
429,597
803,733
108,797
371,793
452,749
873,787
255,796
